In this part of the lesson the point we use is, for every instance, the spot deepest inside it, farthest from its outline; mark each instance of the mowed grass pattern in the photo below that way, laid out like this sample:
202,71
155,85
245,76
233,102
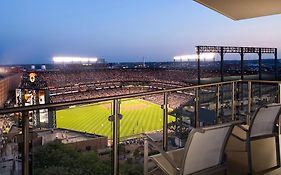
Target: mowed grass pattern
138,116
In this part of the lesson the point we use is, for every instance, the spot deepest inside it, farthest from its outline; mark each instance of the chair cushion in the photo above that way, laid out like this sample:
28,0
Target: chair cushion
264,121
164,164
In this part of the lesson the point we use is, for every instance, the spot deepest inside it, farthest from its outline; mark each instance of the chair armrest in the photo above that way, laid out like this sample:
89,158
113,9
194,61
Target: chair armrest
238,136
243,128
165,155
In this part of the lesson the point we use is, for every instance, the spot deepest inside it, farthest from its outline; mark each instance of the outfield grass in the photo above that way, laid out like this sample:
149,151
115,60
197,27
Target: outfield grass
138,116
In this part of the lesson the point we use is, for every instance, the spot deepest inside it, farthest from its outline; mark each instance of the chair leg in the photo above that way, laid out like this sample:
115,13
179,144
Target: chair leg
277,145
248,146
225,171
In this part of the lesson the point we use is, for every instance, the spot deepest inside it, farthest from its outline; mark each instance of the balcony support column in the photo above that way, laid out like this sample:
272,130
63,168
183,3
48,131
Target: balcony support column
116,129
196,109
260,68
25,153
276,64
221,64
279,93
217,103
233,101
165,122
198,66
249,102
279,101
145,161
260,74
242,63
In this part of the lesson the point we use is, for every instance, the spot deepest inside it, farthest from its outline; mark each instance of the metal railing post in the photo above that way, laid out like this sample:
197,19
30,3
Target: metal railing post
145,159
165,122
233,103
242,63
217,103
260,93
25,153
116,119
198,66
241,95
196,110
279,93
279,101
249,102
275,64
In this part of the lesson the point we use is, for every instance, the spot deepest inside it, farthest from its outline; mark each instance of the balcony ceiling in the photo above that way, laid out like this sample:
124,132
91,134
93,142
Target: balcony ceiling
243,9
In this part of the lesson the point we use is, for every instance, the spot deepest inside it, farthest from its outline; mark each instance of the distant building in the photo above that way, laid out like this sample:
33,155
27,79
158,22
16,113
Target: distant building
79,140
8,83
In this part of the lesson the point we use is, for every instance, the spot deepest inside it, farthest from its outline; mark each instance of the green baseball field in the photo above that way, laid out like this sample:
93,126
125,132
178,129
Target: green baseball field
138,116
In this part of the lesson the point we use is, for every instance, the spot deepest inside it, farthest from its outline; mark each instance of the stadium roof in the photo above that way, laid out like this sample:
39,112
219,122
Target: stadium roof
243,9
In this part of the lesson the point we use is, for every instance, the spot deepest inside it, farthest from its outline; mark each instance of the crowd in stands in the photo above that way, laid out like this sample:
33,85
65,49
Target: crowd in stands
69,78
96,93
85,84
175,99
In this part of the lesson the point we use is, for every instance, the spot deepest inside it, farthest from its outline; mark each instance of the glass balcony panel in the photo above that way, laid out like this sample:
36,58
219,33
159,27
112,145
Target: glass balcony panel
140,115
182,114
264,93
78,144
208,109
10,143
226,97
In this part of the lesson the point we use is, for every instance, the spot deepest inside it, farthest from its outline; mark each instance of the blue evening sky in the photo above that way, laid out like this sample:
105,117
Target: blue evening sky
33,31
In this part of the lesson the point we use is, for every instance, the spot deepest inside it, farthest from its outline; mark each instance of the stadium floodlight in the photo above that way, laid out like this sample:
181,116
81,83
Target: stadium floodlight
74,60
206,56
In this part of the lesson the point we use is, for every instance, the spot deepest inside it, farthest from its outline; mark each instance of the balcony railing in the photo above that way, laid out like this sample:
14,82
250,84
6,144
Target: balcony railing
225,100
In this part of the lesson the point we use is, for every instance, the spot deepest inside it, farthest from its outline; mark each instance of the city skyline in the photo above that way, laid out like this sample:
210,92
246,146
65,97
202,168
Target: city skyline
35,31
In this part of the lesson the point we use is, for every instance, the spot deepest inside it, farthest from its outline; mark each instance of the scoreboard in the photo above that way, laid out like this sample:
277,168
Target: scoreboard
32,95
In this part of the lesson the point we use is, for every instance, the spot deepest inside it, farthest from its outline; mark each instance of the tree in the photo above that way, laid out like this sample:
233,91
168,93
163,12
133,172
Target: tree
57,158
129,168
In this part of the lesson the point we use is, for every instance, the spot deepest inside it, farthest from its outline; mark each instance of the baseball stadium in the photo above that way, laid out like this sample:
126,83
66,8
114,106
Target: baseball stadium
79,97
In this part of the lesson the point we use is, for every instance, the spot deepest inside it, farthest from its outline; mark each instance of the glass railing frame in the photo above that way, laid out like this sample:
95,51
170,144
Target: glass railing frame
116,112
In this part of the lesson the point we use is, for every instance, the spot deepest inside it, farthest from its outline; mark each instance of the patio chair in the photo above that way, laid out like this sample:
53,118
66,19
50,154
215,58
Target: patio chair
264,124
204,152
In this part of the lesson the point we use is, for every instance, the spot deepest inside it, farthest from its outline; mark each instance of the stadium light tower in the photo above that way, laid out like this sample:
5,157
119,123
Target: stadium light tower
196,57
74,60
205,56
